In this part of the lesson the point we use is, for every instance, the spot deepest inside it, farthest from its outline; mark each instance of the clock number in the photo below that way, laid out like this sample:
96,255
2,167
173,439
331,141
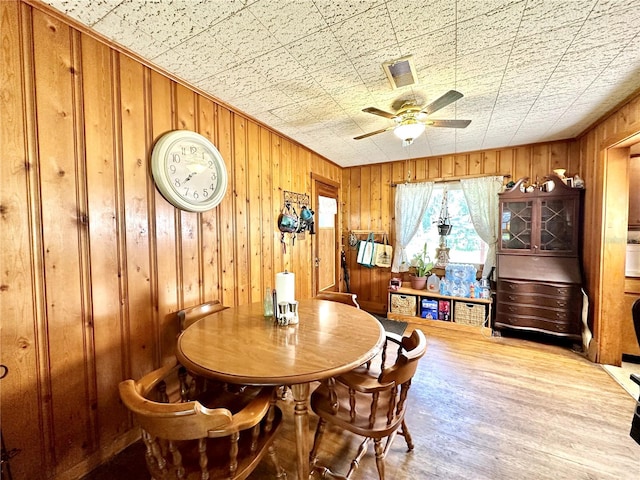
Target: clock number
205,192
175,157
195,195
177,182
172,169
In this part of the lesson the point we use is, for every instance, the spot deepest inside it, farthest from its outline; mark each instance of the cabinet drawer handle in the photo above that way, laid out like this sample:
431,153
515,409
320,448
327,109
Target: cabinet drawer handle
512,297
561,303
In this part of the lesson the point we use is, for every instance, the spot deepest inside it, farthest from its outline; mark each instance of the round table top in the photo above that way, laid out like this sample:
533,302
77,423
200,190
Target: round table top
240,345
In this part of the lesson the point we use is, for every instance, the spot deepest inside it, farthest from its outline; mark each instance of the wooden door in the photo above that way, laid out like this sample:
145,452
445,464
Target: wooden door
325,242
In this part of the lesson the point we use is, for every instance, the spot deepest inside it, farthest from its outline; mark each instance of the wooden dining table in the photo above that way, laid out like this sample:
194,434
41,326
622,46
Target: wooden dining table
239,345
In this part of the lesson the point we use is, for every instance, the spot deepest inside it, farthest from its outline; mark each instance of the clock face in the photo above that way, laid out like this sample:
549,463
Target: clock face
189,171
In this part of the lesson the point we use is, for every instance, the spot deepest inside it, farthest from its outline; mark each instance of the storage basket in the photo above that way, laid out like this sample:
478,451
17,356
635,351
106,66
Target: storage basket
469,313
403,304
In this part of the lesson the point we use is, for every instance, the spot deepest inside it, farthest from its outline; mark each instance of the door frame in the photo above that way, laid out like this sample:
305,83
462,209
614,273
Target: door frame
610,270
320,184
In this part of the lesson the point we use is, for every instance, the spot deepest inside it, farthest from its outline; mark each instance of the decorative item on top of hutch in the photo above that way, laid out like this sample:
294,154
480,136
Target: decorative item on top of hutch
539,269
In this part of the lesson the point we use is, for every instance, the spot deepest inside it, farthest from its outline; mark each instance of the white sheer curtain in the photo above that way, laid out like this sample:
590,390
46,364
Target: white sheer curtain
482,199
412,200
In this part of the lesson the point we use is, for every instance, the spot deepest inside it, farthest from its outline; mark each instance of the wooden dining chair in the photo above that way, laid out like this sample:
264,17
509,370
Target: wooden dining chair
187,316
224,437
369,405
342,297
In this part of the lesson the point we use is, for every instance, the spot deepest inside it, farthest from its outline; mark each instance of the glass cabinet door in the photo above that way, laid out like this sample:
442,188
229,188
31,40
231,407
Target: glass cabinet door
516,225
557,225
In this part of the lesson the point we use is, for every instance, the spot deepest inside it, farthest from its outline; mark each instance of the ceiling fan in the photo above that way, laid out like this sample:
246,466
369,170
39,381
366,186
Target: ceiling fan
411,119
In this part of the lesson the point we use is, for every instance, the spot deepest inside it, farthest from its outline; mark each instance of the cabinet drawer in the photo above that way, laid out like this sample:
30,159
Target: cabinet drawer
570,302
537,323
506,286
550,314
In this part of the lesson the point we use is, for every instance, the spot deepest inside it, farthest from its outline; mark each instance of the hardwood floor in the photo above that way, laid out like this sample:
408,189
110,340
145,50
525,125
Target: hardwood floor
489,408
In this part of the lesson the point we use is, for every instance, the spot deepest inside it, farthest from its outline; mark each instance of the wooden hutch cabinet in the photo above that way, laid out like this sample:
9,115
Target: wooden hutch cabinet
539,285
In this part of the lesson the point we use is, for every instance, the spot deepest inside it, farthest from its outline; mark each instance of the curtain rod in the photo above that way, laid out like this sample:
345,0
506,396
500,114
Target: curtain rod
453,179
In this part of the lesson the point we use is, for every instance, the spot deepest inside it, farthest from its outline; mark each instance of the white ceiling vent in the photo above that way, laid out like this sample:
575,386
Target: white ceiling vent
401,72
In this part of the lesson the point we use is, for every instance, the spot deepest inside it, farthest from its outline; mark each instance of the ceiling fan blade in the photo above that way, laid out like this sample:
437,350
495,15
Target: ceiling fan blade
377,111
372,133
449,123
449,97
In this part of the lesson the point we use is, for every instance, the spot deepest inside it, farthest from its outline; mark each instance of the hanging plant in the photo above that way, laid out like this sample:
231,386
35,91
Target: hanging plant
444,222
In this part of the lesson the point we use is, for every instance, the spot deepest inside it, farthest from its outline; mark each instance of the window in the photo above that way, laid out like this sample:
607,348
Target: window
465,246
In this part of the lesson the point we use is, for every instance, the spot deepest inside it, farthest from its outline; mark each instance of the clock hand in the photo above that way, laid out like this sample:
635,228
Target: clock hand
189,177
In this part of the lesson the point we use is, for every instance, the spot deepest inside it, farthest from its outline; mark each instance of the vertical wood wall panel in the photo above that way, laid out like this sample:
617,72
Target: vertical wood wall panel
142,346
210,284
241,210
99,112
367,188
28,426
54,100
164,247
189,236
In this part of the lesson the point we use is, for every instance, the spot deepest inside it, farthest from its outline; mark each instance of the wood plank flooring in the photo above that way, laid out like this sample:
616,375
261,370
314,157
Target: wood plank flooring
490,408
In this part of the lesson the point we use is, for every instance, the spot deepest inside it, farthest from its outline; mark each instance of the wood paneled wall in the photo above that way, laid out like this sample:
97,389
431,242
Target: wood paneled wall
605,154
95,262
369,197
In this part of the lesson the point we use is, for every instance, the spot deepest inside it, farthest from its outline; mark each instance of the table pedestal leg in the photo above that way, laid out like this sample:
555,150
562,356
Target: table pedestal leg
301,418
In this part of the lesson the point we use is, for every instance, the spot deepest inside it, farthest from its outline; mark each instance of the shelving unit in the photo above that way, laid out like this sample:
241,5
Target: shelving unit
464,313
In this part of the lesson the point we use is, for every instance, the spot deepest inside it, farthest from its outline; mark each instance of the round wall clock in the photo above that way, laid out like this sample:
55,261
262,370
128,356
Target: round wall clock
189,171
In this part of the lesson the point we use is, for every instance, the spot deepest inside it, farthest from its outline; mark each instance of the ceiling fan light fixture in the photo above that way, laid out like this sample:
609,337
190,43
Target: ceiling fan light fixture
409,130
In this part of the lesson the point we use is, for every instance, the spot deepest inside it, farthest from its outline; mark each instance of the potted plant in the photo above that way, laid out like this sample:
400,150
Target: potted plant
421,266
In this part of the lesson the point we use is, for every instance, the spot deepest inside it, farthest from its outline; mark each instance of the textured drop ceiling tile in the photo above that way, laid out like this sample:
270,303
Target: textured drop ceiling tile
409,22
244,37
335,12
480,84
235,81
617,6
290,21
369,65
188,58
118,30
467,9
544,15
78,9
490,61
338,78
175,21
546,47
365,32
300,88
277,66
435,47
484,31
317,51
606,29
